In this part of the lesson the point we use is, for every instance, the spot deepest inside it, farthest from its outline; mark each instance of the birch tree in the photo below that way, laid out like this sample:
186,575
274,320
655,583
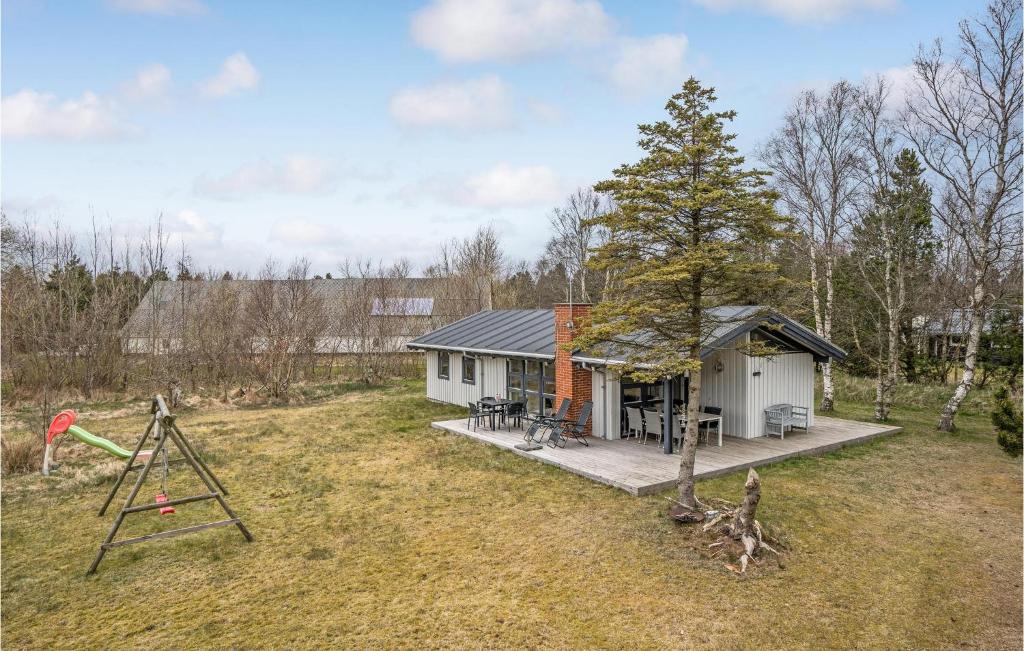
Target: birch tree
816,166
964,117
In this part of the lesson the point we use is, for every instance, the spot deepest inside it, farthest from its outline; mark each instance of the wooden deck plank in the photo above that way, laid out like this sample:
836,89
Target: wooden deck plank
644,469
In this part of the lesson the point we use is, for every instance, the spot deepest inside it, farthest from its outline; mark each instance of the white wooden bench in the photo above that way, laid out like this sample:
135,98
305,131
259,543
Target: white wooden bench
779,418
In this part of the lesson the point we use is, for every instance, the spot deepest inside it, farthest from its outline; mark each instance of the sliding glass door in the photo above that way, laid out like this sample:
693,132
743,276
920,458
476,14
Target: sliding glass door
532,380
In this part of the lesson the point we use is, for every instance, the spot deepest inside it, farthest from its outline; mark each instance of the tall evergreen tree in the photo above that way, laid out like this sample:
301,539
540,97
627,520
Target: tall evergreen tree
687,216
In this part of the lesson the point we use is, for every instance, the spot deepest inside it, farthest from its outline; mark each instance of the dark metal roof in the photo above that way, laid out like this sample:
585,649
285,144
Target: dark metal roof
530,333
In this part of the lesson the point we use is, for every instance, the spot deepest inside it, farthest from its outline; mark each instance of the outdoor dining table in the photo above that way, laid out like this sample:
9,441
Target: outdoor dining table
703,417
495,405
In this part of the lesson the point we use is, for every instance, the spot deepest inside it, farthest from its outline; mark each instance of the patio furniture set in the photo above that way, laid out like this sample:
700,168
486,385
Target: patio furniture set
558,428
642,420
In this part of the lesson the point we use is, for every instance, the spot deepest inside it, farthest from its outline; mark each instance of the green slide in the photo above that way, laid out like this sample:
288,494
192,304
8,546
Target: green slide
99,442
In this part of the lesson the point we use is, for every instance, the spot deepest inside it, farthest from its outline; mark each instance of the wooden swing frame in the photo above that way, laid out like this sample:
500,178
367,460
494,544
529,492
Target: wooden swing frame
163,427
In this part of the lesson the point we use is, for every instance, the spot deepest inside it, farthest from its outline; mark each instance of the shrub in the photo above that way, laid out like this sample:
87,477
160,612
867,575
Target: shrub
1007,420
22,455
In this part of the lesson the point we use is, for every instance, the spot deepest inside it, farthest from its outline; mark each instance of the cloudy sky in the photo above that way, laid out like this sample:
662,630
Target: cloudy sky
332,130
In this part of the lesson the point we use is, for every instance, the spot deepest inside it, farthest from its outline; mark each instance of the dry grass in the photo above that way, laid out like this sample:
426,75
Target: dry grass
21,455
376,531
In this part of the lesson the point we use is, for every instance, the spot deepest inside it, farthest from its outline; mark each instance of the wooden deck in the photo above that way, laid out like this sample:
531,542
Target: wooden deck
644,469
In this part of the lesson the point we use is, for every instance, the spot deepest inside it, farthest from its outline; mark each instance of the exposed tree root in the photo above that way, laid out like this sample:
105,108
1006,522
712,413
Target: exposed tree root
742,536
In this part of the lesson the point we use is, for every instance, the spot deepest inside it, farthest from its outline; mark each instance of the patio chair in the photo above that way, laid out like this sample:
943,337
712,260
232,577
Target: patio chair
652,419
538,428
475,414
716,411
634,422
563,431
535,432
559,415
514,414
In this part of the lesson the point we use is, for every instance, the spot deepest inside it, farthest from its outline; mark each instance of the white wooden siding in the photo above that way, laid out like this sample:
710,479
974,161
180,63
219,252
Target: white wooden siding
787,378
727,389
613,383
491,380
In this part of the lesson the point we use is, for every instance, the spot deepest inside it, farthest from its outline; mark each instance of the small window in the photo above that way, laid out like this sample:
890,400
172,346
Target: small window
443,365
468,370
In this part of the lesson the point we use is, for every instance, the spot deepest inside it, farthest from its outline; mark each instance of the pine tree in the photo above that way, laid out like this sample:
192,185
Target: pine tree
893,250
1007,420
688,215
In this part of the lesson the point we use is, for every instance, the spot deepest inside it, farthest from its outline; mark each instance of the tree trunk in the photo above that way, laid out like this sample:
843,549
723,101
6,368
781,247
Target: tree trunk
743,520
946,423
881,396
688,455
822,324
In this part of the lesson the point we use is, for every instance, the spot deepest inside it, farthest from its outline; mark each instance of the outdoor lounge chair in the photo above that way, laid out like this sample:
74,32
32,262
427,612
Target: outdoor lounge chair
563,431
542,423
779,418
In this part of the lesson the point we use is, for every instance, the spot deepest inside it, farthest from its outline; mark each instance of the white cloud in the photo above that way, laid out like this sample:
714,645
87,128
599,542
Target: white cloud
474,105
236,74
505,185
649,63
31,114
192,230
160,7
900,81
295,175
545,112
802,10
502,30
151,82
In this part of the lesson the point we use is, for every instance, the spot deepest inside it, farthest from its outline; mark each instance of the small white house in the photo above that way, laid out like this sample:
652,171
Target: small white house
514,354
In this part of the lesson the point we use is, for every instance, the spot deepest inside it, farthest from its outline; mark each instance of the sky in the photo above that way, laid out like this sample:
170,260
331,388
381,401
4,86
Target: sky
342,130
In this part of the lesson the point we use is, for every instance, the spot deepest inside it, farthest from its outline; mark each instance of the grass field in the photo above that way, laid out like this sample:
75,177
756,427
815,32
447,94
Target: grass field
373,530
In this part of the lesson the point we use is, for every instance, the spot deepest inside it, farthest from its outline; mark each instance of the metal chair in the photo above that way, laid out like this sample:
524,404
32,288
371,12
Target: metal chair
559,415
475,414
514,413
562,431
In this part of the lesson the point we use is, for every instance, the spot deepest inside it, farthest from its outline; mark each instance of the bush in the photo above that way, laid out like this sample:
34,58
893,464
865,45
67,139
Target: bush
21,455
1007,420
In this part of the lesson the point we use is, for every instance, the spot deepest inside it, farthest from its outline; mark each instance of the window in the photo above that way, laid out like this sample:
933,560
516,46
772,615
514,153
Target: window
444,363
533,381
468,369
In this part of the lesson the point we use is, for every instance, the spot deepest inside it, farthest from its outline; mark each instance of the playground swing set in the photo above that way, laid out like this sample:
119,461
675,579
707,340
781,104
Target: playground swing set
162,428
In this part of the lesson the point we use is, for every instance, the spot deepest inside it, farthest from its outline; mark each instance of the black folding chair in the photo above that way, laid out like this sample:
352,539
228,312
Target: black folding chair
563,431
559,415
539,424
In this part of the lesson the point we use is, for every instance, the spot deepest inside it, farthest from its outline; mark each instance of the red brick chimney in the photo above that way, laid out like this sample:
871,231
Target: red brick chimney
570,382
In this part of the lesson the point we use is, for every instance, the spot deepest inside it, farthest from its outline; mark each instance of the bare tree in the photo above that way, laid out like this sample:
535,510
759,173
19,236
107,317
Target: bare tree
815,160
575,234
964,117
285,318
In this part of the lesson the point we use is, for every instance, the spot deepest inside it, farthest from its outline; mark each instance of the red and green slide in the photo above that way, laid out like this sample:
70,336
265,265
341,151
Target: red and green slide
64,422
